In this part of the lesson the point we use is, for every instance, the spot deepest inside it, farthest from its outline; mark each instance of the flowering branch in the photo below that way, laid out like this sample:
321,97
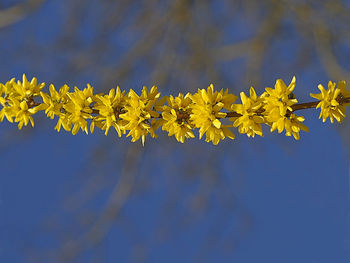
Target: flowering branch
213,113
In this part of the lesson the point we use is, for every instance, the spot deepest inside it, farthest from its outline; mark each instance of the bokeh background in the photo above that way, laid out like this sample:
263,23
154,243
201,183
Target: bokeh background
66,198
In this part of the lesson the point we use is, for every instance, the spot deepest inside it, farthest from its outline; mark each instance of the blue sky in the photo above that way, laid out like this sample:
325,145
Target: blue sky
272,199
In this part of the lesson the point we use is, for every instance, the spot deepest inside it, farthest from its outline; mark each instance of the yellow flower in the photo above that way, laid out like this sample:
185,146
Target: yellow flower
278,101
23,114
250,121
6,112
176,117
109,109
344,93
206,113
65,122
292,125
26,89
4,94
77,109
278,104
331,101
17,101
54,102
141,114
5,90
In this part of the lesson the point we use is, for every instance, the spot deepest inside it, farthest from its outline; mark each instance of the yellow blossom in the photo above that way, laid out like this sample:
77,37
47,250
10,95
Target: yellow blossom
251,120
6,112
54,102
109,108
176,117
17,101
292,125
331,101
77,109
344,92
23,114
65,122
5,90
141,114
278,104
26,89
278,101
206,113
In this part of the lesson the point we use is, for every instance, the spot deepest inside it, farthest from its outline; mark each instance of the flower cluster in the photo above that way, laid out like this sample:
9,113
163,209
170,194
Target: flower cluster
109,108
206,113
176,117
141,113
278,104
251,111
212,112
17,101
332,101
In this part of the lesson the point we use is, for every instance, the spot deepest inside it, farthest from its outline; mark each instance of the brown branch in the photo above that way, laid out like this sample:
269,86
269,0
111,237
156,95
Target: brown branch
303,106
184,116
18,12
233,114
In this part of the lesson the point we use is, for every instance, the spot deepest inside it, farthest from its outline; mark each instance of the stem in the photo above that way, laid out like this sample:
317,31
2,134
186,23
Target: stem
182,115
233,114
306,105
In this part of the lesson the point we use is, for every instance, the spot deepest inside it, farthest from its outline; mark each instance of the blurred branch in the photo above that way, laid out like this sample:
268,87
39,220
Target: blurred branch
322,39
109,214
233,51
18,12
